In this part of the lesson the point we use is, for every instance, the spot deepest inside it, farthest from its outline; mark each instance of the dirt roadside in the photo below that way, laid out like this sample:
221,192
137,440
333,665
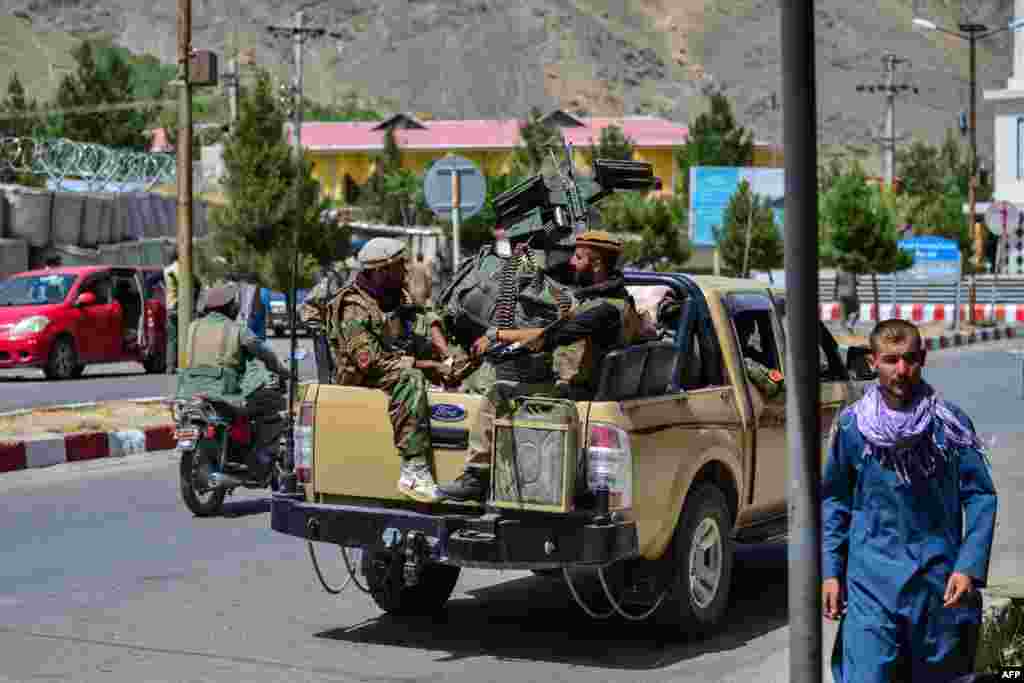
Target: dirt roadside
106,417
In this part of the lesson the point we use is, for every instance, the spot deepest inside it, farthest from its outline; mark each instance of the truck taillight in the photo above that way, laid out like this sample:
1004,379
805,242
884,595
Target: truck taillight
304,444
610,465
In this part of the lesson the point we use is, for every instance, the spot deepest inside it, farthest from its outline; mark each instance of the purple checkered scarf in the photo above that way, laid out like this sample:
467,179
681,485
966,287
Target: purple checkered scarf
905,441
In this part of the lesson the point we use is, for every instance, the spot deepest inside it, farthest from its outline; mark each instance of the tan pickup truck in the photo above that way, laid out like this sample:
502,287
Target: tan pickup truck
649,486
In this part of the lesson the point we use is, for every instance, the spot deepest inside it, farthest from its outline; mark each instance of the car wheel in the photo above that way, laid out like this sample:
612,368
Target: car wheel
63,360
702,553
155,364
79,371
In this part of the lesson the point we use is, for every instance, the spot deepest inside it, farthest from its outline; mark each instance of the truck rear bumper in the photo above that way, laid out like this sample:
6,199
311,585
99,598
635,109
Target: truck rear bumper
491,541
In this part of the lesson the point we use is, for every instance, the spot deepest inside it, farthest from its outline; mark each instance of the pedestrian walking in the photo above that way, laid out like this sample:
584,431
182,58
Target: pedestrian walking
420,281
171,289
908,513
845,289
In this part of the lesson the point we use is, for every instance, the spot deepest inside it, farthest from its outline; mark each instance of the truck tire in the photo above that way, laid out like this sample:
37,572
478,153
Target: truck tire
278,331
384,579
702,554
155,364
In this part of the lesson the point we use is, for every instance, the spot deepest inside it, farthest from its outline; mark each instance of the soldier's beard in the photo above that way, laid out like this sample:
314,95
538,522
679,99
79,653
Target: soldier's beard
584,278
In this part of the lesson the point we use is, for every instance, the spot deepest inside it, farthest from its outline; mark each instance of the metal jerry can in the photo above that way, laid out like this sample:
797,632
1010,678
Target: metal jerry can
536,448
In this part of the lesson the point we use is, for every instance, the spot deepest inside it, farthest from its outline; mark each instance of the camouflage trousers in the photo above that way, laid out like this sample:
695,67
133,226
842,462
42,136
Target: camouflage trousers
498,401
409,411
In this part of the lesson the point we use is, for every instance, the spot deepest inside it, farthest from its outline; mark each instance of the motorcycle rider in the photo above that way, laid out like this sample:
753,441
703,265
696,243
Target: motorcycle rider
228,362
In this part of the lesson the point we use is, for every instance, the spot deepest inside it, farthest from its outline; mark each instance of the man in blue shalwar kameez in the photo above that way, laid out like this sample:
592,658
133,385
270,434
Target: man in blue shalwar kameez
908,517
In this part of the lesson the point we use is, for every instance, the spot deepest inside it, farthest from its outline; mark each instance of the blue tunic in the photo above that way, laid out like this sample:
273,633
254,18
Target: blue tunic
893,546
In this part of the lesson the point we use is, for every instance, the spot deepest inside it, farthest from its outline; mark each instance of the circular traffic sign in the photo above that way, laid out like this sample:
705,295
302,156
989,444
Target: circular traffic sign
437,187
1002,217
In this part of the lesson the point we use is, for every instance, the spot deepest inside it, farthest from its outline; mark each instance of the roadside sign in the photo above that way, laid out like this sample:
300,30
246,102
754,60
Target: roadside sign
1002,217
936,259
438,190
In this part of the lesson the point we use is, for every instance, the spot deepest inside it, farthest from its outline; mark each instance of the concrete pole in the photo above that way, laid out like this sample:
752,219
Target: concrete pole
184,172
803,431
890,121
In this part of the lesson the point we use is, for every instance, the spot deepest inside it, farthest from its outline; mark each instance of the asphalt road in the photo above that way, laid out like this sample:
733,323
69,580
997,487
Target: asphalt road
28,388
104,576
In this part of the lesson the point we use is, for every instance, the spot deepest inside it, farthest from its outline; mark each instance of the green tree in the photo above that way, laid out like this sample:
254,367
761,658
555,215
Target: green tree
404,189
102,77
256,229
714,140
374,197
861,237
612,144
17,104
661,225
748,217
537,137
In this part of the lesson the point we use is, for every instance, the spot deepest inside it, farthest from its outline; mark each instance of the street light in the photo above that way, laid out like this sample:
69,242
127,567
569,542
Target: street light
972,33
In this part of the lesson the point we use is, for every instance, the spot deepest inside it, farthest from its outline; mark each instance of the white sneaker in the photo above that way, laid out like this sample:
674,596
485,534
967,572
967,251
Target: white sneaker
418,483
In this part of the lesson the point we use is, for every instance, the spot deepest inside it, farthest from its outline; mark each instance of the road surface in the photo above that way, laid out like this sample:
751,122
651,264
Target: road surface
104,576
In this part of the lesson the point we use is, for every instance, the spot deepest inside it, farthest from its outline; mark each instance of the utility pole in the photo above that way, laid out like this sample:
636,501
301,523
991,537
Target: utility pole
890,89
298,33
184,173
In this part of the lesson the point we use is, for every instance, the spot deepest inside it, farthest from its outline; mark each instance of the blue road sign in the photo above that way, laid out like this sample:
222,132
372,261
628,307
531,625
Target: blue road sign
936,259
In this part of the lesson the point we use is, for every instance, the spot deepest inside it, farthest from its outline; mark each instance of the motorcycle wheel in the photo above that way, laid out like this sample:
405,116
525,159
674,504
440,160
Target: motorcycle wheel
202,503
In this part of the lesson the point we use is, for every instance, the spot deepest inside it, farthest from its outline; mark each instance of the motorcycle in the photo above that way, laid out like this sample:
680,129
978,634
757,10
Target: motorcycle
216,439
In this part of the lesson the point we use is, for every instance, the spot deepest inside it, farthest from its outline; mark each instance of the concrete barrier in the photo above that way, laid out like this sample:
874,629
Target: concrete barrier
67,215
30,214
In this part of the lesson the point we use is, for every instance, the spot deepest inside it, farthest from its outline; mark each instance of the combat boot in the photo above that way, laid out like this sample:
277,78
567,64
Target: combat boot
471,485
417,482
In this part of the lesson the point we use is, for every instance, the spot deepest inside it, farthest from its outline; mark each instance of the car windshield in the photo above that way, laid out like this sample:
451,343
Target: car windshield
35,290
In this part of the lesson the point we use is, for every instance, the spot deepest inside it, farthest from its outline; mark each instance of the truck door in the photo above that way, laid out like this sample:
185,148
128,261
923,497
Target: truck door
754,334
836,389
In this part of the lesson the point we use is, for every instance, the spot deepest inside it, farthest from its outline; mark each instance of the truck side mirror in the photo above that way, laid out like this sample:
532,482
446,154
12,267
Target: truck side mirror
857,363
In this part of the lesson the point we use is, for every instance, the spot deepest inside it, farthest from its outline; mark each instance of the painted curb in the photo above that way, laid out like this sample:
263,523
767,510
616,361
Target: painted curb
44,451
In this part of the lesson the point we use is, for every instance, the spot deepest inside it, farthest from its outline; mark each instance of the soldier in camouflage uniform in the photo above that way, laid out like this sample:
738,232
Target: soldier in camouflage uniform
375,347
604,319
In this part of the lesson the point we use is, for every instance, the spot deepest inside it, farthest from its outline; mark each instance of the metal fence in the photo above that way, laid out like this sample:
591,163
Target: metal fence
990,289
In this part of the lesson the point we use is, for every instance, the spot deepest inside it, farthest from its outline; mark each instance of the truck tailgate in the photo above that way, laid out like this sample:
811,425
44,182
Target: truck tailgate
353,439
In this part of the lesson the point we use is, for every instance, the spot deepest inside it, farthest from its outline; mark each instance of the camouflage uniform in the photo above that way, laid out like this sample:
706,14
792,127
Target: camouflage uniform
379,350
770,382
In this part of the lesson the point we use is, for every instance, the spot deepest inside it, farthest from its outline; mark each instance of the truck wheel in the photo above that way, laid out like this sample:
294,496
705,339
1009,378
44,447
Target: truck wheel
202,504
384,579
702,553
278,331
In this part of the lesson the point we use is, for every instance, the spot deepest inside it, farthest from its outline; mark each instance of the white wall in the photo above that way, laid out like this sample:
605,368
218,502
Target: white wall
1007,186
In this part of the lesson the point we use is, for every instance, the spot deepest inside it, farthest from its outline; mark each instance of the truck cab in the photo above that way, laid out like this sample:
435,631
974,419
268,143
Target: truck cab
650,484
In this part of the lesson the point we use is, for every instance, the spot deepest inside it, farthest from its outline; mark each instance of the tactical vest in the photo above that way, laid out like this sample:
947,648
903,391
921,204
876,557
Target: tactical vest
578,363
213,351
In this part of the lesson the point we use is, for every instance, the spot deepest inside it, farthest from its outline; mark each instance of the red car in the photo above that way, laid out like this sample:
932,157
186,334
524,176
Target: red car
62,319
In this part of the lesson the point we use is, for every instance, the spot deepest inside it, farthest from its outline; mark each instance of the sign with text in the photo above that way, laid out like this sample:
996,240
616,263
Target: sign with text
711,188
936,259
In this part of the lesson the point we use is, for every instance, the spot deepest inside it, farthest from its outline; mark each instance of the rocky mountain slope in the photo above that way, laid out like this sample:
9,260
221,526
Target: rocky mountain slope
485,58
